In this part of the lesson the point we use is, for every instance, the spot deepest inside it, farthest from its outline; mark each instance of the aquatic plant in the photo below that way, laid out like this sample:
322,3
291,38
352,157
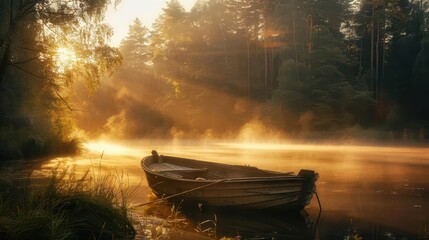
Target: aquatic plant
208,226
162,220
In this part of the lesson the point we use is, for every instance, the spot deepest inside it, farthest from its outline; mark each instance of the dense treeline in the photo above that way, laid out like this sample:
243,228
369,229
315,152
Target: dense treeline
300,67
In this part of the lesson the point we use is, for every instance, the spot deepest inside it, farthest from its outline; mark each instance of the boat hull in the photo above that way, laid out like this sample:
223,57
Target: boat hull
284,191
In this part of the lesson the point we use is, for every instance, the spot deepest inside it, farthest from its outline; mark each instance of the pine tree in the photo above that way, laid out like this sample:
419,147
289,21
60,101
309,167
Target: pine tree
135,47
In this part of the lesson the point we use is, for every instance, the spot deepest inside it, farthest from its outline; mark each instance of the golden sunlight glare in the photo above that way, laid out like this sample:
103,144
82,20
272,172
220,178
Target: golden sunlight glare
110,148
64,59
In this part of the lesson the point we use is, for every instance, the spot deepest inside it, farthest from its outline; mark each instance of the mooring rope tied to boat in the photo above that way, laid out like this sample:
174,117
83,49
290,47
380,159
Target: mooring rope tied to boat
320,212
318,199
181,193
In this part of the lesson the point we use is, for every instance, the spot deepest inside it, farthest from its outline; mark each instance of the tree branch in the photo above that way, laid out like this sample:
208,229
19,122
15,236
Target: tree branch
26,71
30,49
63,100
24,61
28,8
48,27
61,13
56,91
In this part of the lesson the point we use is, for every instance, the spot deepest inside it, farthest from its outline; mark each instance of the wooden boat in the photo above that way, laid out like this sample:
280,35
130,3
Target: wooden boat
223,185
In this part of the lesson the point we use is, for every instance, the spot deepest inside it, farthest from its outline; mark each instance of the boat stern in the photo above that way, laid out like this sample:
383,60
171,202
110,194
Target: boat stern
310,185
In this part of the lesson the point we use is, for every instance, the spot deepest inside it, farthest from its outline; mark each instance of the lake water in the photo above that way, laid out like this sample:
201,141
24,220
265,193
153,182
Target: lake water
372,192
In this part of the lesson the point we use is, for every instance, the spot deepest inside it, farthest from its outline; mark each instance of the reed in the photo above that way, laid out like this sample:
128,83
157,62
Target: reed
64,205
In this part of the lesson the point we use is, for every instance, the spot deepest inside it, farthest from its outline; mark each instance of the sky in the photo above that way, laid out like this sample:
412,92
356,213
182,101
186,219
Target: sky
121,17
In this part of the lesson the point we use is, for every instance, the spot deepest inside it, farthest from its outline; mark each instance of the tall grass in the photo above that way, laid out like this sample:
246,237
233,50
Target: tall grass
64,205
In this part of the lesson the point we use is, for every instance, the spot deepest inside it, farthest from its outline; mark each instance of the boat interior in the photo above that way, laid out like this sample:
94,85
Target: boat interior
201,170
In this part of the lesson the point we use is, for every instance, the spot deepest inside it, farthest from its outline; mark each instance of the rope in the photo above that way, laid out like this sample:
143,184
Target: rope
320,212
178,194
318,200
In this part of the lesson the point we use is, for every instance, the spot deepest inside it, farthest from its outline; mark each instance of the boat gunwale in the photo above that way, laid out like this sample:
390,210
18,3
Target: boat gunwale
279,177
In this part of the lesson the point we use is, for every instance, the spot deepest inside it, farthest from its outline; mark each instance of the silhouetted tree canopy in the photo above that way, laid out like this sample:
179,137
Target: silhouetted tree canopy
45,46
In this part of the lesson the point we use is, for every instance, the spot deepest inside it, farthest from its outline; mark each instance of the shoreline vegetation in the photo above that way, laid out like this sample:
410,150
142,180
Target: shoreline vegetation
64,205
67,203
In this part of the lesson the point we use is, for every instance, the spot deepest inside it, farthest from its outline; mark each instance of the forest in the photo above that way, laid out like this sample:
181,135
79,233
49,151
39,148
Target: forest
307,70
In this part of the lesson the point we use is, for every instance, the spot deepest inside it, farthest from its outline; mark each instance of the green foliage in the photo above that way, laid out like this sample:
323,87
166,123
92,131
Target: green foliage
420,81
391,33
315,90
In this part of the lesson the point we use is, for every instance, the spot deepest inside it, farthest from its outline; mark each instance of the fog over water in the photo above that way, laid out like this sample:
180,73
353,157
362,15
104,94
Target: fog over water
372,190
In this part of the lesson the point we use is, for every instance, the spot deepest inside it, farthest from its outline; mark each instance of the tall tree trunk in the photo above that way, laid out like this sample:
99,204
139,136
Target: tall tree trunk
372,48
383,57
258,71
377,66
248,76
265,54
179,56
294,43
4,60
224,43
270,73
360,57
266,68
309,40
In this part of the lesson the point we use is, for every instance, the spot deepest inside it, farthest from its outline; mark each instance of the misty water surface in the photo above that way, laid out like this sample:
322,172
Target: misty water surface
377,192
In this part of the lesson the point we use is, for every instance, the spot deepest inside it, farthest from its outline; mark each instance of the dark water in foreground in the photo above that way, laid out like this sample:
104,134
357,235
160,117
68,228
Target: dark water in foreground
366,192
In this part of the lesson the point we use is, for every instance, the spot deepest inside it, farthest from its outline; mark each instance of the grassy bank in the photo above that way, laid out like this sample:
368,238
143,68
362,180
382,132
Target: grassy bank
64,206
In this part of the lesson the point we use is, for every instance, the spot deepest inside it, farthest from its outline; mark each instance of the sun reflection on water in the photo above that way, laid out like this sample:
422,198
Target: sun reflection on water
110,148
